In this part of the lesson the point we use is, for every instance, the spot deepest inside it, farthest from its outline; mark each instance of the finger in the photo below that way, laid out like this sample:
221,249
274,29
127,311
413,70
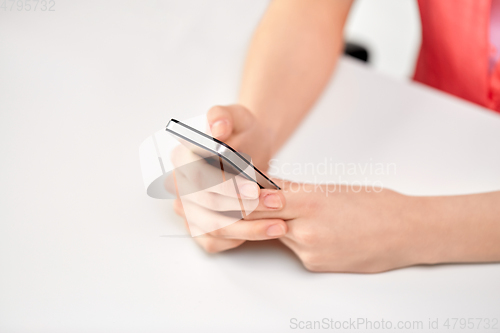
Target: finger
220,120
195,174
181,155
273,204
221,203
246,188
298,235
169,183
200,181
226,120
214,245
192,227
178,209
202,220
253,230
294,199
263,211
269,201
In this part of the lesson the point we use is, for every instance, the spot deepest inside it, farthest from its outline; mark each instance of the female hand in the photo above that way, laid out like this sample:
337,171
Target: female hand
240,129
236,233
336,228
212,199
333,228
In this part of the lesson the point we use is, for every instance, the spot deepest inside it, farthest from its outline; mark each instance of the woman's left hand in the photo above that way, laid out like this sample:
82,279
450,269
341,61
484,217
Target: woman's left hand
336,228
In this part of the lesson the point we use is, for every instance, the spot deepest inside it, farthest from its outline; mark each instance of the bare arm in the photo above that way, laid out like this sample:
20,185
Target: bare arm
291,57
363,231
464,228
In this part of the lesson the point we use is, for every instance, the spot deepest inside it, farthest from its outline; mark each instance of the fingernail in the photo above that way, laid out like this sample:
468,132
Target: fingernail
272,201
275,230
219,128
249,191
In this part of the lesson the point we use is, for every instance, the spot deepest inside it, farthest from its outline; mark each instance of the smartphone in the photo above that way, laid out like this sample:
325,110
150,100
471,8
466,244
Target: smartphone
218,148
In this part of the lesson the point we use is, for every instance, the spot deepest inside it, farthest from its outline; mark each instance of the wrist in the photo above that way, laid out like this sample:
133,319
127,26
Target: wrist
443,231
425,239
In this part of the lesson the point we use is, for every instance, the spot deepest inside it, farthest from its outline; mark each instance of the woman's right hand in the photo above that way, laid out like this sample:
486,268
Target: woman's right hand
240,129
205,208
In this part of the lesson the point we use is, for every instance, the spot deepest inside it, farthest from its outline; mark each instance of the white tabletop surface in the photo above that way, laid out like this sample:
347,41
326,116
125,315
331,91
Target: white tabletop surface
81,246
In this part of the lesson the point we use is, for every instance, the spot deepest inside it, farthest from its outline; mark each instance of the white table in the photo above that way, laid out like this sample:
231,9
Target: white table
80,242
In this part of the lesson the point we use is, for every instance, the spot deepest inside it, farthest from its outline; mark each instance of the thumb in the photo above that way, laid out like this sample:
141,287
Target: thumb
220,120
227,120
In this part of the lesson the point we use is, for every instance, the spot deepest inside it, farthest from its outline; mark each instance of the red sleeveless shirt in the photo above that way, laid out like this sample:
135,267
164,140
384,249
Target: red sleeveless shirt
455,51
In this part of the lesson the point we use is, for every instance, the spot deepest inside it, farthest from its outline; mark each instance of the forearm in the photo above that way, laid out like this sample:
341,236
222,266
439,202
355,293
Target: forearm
462,228
290,60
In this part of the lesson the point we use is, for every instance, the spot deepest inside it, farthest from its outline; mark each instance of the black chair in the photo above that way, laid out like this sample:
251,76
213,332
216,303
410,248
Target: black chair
357,51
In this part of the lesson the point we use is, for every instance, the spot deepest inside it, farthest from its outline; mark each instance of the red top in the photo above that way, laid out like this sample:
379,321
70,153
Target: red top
455,51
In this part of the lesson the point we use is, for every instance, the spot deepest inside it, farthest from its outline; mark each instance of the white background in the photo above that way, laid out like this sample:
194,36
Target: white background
391,31
80,242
